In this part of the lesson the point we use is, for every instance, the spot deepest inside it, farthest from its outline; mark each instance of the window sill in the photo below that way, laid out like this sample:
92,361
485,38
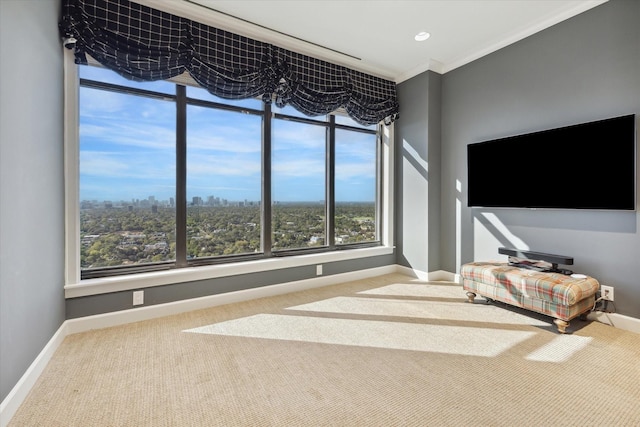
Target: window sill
159,278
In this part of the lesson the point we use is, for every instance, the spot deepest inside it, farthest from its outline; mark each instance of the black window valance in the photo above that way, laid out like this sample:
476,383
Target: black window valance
145,44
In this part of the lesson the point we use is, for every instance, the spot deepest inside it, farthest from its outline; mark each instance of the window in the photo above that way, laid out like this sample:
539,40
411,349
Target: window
127,175
223,182
298,212
171,176
356,183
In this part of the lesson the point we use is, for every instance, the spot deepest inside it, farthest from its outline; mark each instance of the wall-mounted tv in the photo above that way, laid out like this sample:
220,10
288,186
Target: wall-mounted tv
585,166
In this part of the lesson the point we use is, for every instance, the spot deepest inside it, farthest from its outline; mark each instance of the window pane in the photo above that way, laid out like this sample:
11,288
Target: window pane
203,94
298,185
105,75
355,187
291,111
223,182
346,120
127,179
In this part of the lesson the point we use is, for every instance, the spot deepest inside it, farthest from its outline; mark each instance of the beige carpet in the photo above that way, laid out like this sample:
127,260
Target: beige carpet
388,351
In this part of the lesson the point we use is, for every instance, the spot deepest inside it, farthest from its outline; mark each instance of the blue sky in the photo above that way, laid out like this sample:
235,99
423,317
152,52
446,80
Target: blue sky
127,150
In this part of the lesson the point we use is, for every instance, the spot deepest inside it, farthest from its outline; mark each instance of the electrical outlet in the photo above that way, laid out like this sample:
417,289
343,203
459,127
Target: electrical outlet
138,297
319,270
606,292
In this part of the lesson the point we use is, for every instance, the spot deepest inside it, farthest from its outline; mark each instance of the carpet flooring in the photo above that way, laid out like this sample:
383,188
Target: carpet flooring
385,351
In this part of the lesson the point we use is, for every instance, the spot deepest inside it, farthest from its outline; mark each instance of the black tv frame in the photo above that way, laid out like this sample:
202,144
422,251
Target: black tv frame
560,168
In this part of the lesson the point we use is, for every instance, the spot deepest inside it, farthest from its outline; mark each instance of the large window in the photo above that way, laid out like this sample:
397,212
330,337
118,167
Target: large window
299,186
356,187
223,182
127,175
171,176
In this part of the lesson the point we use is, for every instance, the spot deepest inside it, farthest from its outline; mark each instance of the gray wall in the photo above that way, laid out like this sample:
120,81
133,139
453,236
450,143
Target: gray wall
582,69
417,145
116,301
31,184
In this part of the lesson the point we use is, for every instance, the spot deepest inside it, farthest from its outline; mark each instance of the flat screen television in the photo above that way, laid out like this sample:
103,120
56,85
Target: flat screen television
585,166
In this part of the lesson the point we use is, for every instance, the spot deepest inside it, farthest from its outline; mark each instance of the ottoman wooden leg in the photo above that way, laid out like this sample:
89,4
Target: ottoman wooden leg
562,325
471,296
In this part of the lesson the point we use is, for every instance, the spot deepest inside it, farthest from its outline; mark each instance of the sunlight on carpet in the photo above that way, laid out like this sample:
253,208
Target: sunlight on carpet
431,290
458,340
459,311
560,349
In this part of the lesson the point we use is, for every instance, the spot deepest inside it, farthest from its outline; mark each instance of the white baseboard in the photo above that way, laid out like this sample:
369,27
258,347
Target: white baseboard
16,396
116,318
435,276
19,392
616,320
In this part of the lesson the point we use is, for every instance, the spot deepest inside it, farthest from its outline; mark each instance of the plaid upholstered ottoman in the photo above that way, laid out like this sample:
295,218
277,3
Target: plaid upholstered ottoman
553,294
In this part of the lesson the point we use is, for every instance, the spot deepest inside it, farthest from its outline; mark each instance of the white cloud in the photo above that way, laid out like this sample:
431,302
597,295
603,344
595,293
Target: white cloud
128,134
299,168
123,165
359,171
222,166
223,140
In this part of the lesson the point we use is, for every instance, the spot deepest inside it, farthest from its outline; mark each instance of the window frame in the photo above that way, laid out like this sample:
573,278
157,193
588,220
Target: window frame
76,286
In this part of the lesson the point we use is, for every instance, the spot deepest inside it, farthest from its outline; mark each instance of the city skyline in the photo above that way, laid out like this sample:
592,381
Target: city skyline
203,201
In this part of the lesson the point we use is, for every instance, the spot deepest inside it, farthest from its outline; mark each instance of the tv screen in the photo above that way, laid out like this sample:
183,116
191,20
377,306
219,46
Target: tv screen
585,166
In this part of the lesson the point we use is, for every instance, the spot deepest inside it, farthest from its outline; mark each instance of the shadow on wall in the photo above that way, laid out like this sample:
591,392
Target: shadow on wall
413,169
580,220
497,223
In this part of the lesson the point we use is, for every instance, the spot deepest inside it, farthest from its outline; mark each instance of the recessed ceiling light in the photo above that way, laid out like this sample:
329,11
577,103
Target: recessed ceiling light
422,36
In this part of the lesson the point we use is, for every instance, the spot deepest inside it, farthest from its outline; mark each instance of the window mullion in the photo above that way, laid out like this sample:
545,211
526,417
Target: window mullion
330,182
380,170
266,226
181,176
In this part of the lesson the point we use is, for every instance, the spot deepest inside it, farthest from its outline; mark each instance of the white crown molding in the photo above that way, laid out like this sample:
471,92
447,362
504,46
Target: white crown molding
431,65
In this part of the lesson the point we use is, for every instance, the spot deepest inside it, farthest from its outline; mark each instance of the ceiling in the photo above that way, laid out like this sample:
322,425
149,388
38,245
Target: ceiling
377,36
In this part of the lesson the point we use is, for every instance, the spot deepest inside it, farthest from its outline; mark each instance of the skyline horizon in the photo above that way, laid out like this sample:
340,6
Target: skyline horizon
205,201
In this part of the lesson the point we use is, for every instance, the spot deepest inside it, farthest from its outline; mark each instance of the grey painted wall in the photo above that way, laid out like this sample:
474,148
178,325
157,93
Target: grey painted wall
583,69
417,145
31,184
